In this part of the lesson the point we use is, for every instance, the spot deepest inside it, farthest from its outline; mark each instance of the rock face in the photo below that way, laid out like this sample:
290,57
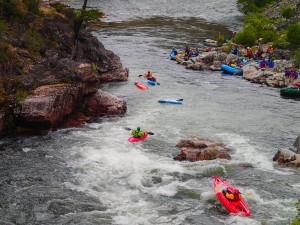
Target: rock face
47,106
104,104
274,11
60,91
196,148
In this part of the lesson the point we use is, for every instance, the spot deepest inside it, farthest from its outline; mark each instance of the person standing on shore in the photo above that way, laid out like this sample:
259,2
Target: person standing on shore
260,50
233,34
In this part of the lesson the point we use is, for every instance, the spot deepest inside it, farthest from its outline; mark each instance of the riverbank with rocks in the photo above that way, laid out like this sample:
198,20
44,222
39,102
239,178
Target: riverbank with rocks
213,58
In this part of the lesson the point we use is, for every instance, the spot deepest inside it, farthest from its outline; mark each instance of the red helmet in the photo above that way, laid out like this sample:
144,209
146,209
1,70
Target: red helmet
236,191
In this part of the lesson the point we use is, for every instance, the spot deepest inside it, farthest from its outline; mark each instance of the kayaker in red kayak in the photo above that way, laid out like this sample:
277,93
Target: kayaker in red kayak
137,133
232,197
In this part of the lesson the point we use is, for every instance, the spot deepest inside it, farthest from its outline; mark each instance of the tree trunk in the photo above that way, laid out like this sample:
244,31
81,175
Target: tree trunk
77,26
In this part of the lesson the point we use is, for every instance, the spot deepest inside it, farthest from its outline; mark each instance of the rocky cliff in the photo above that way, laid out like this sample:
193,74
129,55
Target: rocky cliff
41,87
274,12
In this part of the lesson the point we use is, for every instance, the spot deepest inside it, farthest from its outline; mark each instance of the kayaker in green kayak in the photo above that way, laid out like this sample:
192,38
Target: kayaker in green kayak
137,133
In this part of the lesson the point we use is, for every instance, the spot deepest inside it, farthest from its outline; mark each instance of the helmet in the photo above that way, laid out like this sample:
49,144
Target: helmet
138,129
236,191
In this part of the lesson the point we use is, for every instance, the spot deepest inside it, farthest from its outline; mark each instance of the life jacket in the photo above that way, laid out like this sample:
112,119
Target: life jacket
137,134
148,75
233,197
249,52
270,50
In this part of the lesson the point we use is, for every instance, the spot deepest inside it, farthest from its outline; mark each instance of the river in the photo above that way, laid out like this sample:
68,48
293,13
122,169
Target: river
93,175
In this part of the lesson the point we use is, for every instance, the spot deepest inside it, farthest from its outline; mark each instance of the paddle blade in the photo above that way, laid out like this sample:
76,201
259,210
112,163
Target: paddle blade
180,100
150,133
158,83
140,75
127,128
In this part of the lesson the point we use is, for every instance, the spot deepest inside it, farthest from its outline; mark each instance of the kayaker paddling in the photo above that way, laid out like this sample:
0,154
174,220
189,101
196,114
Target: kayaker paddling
232,196
137,133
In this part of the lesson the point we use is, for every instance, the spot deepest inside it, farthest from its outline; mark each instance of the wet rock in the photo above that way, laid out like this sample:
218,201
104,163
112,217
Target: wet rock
246,165
75,120
47,106
104,104
194,66
232,59
196,148
287,158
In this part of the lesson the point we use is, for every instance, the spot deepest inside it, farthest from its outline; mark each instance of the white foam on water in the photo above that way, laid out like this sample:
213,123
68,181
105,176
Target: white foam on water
254,155
26,149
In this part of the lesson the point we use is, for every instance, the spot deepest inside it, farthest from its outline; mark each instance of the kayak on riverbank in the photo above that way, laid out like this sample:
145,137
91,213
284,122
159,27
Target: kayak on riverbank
231,70
290,92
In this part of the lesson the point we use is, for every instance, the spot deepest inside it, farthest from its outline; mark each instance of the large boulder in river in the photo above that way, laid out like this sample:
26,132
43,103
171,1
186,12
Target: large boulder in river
104,104
197,148
287,158
47,106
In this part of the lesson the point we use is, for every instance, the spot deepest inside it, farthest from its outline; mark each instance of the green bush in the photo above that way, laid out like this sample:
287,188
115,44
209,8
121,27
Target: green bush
287,12
248,6
87,15
33,41
6,52
246,37
297,62
293,35
2,26
269,35
297,219
20,95
12,9
259,22
220,39
32,6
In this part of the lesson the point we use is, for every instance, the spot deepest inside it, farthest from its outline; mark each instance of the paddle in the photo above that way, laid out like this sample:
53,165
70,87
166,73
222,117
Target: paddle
129,129
180,100
143,75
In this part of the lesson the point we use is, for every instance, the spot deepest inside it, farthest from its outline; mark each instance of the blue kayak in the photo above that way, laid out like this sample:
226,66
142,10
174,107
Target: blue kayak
151,82
170,101
172,56
231,70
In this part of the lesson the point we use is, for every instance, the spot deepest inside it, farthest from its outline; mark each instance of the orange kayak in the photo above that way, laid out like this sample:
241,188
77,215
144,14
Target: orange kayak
140,86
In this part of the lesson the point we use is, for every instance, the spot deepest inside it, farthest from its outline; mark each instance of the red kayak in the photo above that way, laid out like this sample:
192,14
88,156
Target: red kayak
140,86
239,207
135,139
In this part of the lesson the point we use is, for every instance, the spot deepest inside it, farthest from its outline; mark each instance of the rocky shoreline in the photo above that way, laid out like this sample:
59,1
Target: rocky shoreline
213,58
58,91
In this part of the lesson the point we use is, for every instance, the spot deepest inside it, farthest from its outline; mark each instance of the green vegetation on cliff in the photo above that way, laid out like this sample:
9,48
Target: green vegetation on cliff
23,40
250,6
269,28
